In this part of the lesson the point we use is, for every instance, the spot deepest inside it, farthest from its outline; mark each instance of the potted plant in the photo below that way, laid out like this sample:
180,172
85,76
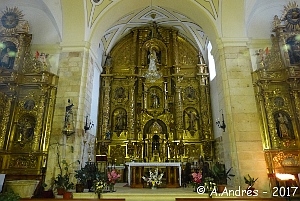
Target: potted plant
250,181
62,181
221,175
90,170
9,196
80,175
47,193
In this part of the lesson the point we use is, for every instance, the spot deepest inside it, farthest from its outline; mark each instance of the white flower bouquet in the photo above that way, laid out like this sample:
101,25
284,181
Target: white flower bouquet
154,178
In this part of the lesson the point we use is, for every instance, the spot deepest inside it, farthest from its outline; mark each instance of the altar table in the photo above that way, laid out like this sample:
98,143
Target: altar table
140,165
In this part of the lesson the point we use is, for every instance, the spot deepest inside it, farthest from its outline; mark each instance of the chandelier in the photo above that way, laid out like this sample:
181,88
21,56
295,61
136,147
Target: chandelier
152,74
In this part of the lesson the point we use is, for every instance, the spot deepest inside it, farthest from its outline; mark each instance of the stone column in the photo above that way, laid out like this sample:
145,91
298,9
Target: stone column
235,95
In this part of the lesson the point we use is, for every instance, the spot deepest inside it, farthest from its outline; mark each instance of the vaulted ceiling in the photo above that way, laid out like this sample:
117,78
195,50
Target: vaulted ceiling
102,23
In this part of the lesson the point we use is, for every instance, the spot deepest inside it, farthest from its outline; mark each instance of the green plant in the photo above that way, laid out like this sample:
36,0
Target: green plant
90,170
9,196
250,180
81,177
220,174
62,180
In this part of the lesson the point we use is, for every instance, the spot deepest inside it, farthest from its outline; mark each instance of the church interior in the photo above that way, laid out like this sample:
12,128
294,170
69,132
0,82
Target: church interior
197,93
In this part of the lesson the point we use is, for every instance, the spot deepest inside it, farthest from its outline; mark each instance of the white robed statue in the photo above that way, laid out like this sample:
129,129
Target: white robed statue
152,74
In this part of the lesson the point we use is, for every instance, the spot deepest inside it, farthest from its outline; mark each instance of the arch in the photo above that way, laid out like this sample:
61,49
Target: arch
118,22
147,127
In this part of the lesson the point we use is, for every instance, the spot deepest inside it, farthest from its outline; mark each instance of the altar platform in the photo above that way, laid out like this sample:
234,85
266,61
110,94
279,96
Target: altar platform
163,194
143,194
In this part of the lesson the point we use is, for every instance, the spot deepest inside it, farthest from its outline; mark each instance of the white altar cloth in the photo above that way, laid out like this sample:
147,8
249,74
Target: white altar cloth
152,164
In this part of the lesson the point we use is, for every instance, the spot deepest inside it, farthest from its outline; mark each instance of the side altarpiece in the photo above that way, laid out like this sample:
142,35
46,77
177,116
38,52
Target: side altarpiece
27,97
276,83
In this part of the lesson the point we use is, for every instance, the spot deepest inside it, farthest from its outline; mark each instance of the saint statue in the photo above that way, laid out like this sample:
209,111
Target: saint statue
282,126
155,99
120,121
153,58
192,118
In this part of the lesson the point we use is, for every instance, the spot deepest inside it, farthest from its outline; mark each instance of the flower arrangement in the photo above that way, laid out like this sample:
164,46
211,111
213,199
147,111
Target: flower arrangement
197,178
209,184
98,186
112,177
154,178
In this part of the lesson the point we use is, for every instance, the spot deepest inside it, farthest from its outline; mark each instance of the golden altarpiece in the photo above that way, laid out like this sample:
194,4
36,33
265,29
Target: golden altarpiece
277,86
165,117
27,95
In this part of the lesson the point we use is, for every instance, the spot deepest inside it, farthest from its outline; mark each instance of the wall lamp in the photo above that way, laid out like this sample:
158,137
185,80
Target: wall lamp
87,125
221,124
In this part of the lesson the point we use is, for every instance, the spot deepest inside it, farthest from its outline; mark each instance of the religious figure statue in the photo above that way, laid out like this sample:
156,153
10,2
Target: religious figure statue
107,135
282,126
260,59
7,58
180,148
155,99
26,130
192,118
276,22
68,111
120,121
153,58
68,125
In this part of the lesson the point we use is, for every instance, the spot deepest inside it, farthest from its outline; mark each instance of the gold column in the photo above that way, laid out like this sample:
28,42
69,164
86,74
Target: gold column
166,95
145,96
106,106
175,47
272,125
131,111
5,121
205,111
40,114
297,102
260,98
178,112
24,40
48,126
